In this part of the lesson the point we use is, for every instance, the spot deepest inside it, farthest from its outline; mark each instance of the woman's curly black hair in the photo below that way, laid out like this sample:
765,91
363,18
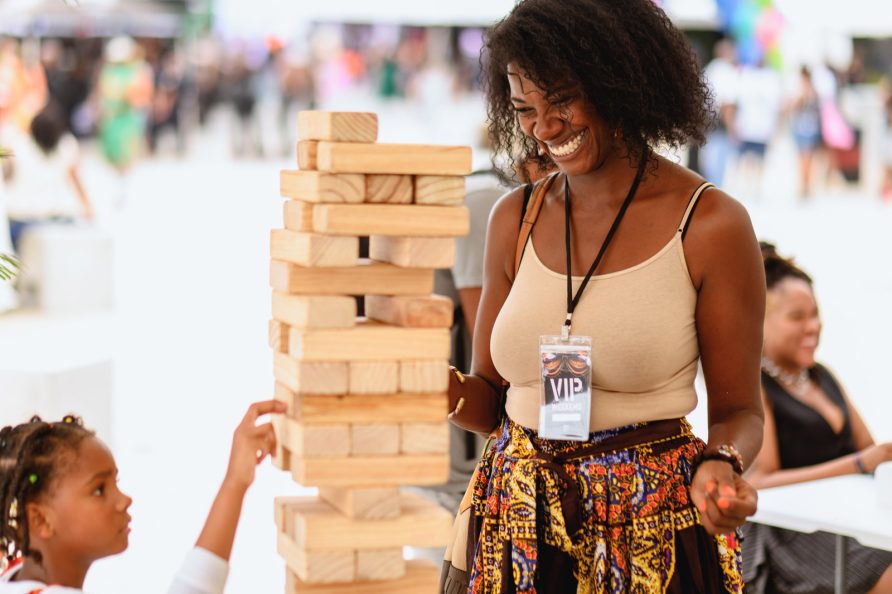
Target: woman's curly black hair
32,456
626,57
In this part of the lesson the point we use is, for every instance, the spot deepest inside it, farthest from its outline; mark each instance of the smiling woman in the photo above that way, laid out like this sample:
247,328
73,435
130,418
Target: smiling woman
606,252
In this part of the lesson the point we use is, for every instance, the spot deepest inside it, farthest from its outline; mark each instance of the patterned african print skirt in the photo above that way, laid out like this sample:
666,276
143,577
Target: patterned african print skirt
611,515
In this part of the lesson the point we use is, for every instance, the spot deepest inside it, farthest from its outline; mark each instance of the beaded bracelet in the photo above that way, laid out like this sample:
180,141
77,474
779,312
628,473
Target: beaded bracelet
726,453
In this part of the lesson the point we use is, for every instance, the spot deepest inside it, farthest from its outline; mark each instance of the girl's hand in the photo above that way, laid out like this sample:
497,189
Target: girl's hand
722,497
251,443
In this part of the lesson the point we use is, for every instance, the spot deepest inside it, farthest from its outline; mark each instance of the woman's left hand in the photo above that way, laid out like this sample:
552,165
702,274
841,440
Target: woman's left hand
722,497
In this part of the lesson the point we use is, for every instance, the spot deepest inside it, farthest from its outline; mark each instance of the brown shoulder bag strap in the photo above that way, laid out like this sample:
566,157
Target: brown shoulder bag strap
529,218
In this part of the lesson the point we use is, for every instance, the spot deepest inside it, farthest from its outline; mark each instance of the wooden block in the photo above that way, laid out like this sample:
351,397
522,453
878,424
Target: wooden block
311,311
313,186
306,154
371,471
403,159
313,249
363,504
429,311
422,576
389,189
318,377
424,438
374,440
366,408
384,564
365,277
369,341
281,457
372,377
278,336
424,376
440,189
314,441
391,219
320,527
298,215
413,252
318,567
343,126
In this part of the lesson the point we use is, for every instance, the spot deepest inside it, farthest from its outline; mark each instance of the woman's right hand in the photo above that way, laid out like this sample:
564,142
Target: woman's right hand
873,456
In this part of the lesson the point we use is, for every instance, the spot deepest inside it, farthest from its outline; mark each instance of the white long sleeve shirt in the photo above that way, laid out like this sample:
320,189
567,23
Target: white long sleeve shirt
202,572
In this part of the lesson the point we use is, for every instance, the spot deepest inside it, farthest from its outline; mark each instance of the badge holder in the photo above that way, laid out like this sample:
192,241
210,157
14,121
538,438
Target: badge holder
565,366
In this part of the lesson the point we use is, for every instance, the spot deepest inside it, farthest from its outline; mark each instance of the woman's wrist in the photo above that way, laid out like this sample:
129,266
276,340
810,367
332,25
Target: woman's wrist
725,452
859,464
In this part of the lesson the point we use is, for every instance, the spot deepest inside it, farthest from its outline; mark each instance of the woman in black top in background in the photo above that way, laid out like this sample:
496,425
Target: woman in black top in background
812,431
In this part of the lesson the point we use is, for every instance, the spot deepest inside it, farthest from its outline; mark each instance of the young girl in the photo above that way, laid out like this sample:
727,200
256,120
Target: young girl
61,509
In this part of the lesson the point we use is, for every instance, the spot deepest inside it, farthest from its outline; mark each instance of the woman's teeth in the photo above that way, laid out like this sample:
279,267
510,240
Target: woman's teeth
568,147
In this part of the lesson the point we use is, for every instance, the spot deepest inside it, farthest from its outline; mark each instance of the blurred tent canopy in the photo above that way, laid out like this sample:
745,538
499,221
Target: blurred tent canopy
91,18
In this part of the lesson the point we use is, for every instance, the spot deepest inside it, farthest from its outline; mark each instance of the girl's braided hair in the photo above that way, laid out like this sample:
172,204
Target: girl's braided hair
32,456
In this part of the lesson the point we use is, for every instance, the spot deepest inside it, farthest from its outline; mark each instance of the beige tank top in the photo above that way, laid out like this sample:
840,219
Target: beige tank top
640,319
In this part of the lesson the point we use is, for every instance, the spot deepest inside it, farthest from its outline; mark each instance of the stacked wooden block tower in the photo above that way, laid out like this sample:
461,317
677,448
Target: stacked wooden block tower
366,396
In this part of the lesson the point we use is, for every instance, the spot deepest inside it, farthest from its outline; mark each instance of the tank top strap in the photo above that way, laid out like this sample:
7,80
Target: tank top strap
692,204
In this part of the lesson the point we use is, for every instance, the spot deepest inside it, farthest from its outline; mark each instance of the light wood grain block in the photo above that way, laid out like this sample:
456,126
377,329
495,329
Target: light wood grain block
413,252
305,377
318,567
388,189
343,126
444,190
424,438
363,504
298,215
422,577
384,564
374,440
314,441
391,219
320,527
313,311
315,186
278,336
425,311
313,249
402,159
371,471
365,277
365,408
368,341
424,376
306,154
373,377
281,457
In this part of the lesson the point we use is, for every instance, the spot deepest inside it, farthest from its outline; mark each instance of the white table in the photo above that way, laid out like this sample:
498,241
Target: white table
843,505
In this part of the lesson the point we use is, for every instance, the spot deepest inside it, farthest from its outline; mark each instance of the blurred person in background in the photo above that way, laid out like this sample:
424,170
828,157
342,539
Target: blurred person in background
66,77
812,431
166,101
722,75
125,93
759,100
805,124
23,89
43,183
241,89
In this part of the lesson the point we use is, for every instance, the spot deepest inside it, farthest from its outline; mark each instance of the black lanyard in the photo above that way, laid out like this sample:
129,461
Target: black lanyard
571,300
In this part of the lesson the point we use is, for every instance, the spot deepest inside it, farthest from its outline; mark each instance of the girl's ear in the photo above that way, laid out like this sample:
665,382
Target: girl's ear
40,520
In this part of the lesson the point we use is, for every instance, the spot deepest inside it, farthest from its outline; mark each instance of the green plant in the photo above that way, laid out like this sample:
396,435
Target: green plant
9,267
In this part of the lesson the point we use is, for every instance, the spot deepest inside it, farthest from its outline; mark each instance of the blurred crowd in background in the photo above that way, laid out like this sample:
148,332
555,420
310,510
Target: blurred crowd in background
132,87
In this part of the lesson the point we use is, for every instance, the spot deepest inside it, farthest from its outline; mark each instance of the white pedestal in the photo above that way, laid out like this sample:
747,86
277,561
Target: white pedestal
883,478
67,268
85,390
